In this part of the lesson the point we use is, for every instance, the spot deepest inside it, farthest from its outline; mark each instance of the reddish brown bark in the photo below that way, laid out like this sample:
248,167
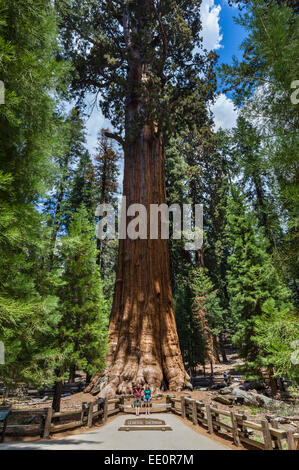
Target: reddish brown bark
144,345
211,348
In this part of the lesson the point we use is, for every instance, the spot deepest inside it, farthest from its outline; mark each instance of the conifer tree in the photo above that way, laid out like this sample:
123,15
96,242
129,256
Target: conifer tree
32,76
141,56
83,188
262,83
207,310
276,335
68,151
82,339
106,178
190,327
252,279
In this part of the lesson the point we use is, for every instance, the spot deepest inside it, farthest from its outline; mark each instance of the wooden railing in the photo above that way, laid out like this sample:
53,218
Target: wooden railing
214,419
51,422
237,425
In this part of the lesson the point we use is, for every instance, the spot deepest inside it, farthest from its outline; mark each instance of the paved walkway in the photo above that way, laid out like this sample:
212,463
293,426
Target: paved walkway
182,437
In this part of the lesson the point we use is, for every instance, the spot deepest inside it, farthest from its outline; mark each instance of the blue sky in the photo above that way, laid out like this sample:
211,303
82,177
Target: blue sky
232,34
221,34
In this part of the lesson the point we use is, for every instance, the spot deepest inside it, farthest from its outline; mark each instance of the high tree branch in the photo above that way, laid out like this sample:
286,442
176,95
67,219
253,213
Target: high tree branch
118,138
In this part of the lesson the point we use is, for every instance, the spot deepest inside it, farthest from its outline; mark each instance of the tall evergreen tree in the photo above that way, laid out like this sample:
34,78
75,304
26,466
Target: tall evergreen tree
32,76
83,188
252,279
71,139
82,338
106,175
262,82
140,55
276,335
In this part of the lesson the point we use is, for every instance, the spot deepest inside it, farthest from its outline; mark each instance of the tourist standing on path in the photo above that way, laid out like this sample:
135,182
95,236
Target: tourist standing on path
137,391
226,378
147,399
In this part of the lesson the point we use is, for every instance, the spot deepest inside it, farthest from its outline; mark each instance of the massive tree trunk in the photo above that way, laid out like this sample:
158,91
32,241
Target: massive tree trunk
144,345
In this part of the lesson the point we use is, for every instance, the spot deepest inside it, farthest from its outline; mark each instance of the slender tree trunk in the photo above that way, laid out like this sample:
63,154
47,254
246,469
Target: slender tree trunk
88,378
57,396
72,374
273,382
222,347
5,395
211,353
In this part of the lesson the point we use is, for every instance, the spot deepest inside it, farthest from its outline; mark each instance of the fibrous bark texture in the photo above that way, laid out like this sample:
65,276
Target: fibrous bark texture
144,345
210,344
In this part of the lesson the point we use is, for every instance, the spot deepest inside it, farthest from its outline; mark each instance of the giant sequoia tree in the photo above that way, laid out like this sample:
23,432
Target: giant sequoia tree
140,56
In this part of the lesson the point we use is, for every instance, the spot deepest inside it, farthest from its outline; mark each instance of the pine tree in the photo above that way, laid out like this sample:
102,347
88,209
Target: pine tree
106,176
82,338
262,83
82,188
32,76
207,310
70,148
257,180
252,278
276,335
177,192
190,327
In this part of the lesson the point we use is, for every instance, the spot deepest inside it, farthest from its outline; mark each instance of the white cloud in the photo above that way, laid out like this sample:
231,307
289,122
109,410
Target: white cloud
225,115
210,15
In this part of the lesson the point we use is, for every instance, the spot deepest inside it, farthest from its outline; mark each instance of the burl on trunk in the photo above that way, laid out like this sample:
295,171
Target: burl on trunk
144,344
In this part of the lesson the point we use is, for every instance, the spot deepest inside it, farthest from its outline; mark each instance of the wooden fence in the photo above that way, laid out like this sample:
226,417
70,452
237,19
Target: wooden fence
47,422
236,425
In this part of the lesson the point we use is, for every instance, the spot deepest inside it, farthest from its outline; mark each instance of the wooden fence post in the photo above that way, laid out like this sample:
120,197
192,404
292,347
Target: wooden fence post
244,429
194,412
48,422
267,435
7,413
105,408
89,416
277,440
183,407
291,441
100,403
168,402
84,404
121,403
209,419
218,428
235,428
43,422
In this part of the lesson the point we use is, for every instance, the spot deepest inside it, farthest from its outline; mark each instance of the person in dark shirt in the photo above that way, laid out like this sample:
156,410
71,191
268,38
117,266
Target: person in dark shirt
226,378
137,392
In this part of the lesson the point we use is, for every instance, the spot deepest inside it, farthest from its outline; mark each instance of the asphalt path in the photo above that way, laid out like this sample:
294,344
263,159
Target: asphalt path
107,437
